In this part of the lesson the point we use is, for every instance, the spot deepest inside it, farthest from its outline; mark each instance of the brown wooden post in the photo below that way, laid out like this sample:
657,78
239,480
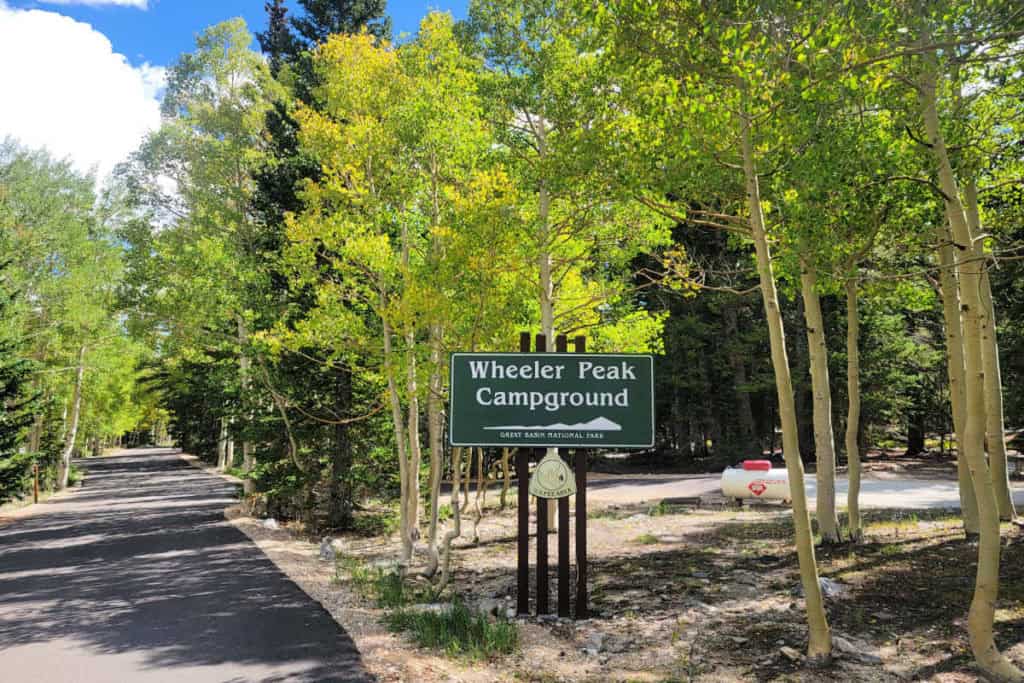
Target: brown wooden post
561,346
580,461
35,482
523,511
541,346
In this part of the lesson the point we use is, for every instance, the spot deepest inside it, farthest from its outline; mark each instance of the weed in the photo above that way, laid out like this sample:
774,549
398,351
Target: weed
605,513
444,512
390,590
890,550
662,508
456,630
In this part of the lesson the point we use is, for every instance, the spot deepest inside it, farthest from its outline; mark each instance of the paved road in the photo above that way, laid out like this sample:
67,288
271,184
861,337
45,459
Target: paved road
138,578
898,492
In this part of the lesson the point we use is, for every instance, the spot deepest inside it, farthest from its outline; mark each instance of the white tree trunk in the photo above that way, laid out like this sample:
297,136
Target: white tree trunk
981,617
994,428
456,529
481,483
412,500
222,445
949,290
853,409
245,378
505,476
435,428
819,646
824,441
64,467
399,426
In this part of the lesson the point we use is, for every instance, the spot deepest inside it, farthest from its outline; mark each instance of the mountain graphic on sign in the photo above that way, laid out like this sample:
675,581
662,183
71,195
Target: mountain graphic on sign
598,424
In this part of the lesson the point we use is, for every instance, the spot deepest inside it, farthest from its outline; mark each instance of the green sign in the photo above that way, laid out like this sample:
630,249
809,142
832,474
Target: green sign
552,399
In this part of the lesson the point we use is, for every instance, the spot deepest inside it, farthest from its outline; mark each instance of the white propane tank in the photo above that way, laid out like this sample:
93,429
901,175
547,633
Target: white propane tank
756,479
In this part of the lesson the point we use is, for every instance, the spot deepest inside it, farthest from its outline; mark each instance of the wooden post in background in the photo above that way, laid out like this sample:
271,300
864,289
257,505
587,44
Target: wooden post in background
580,461
523,511
561,346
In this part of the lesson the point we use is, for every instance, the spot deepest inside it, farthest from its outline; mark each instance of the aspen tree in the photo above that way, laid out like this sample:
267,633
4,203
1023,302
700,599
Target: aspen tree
824,441
853,410
64,467
995,441
949,290
819,646
981,616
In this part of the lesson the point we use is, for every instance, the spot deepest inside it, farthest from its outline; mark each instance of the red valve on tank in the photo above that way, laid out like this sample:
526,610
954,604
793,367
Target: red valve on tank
757,465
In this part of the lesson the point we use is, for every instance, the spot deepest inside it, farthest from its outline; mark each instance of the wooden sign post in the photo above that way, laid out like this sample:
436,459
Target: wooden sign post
556,400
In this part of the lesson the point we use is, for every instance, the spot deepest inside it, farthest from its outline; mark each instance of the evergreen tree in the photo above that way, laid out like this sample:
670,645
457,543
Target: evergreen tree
17,403
328,390
277,42
326,17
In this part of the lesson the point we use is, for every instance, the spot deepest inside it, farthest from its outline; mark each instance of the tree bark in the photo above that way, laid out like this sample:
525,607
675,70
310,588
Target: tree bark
981,617
413,434
915,433
400,441
853,410
819,647
478,511
456,530
995,439
222,445
950,292
339,506
244,373
824,441
64,468
505,476
435,428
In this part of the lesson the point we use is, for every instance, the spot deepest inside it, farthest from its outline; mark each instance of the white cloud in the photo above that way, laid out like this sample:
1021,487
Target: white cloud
141,4
64,88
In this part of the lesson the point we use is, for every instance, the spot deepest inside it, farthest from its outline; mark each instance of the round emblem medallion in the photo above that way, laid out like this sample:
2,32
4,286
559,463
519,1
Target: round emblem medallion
552,478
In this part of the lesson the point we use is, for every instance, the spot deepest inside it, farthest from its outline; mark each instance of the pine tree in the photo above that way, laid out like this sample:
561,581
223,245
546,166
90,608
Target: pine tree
277,42
17,403
329,392
326,17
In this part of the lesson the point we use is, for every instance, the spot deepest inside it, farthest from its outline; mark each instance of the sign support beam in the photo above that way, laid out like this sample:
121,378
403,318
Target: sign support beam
561,346
580,462
523,511
542,523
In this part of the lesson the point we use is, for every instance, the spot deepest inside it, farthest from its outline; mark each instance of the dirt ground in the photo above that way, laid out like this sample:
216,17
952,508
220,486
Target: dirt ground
699,593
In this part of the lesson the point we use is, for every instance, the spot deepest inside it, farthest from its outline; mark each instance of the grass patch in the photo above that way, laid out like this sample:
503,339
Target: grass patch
386,587
646,539
456,630
890,549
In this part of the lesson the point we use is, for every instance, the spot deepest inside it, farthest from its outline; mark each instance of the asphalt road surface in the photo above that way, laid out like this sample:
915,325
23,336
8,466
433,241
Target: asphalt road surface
138,578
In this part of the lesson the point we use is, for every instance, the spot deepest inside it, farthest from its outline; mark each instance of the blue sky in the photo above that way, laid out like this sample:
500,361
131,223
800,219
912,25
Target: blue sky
166,28
82,78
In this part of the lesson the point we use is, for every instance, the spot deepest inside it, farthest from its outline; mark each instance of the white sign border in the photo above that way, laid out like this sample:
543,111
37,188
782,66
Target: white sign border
534,355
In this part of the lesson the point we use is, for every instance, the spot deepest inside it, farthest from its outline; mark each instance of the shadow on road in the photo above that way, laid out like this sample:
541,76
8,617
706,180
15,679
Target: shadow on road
141,561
